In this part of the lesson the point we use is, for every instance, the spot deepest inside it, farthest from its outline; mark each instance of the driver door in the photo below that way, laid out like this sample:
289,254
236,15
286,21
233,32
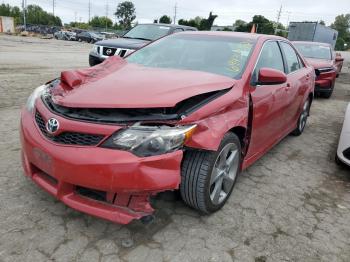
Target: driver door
269,103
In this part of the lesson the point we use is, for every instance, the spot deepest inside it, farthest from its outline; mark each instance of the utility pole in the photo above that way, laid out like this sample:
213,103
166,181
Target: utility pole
278,18
75,14
89,10
106,13
24,7
53,7
175,13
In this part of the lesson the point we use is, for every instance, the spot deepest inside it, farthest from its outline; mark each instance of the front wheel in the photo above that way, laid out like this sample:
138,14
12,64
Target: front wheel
208,178
302,119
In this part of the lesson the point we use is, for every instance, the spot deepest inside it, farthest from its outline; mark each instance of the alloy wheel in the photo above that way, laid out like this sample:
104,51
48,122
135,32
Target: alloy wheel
224,173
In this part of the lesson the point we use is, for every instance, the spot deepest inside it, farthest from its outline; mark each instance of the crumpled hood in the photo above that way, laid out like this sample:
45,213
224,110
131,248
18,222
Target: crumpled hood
119,84
319,63
128,43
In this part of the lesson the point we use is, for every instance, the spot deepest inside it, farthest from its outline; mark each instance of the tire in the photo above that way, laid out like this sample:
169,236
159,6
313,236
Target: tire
302,120
79,39
329,93
198,187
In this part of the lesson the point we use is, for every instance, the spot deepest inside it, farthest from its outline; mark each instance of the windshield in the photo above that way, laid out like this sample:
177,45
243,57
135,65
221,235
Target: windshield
314,51
214,54
148,32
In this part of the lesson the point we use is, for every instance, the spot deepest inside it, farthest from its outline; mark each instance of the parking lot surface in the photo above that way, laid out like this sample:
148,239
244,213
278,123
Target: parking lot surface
292,205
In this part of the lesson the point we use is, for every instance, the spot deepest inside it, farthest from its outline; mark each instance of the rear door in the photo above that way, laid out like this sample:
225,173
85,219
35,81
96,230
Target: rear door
297,83
268,102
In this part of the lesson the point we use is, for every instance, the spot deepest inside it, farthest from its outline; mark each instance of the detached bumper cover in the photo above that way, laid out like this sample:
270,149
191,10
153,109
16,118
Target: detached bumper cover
125,181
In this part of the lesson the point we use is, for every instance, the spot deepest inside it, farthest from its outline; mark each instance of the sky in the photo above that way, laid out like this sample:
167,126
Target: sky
227,10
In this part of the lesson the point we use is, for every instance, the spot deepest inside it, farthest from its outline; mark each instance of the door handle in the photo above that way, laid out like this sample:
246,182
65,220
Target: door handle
307,77
288,86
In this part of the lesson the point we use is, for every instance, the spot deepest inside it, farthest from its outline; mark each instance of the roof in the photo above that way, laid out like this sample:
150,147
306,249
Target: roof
169,25
312,43
250,36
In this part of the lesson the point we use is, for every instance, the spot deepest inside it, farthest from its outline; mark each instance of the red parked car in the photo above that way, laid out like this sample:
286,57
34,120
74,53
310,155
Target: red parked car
187,112
326,62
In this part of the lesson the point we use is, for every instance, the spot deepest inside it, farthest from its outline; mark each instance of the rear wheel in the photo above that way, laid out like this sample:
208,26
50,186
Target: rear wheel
208,177
302,119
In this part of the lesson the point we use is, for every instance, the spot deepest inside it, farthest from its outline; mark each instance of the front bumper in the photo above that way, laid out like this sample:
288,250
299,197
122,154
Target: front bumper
124,180
95,59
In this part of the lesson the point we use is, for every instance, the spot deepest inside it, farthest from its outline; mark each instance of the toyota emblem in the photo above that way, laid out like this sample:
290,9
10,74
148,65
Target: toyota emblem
52,125
109,51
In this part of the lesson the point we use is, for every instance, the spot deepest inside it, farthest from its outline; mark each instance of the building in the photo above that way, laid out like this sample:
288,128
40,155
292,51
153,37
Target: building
7,24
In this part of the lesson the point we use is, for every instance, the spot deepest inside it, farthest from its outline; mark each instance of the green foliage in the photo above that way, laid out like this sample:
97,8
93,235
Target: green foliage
206,24
126,14
263,25
200,23
190,22
342,25
165,19
321,22
80,25
101,21
340,44
36,15
7,10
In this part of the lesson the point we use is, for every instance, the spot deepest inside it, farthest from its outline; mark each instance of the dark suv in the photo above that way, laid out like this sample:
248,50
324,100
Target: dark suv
134,39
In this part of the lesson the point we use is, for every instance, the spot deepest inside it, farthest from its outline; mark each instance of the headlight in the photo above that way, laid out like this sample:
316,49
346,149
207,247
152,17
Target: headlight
150,140
95,48
32,98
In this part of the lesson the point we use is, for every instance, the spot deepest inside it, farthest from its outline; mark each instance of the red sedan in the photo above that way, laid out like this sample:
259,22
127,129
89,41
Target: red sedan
187,112
327,65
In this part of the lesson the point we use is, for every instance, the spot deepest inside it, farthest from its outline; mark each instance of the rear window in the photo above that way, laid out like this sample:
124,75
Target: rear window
214,54
314,51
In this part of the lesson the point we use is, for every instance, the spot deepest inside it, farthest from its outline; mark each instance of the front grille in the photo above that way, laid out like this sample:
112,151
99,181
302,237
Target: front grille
68,138
107,51
92,193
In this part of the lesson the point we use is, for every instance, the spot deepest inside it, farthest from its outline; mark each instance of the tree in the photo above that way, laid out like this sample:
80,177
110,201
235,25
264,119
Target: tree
126,14
101,21
340,44
36,15
15,12
321,22
206,24
342,25
165,19
191,22
241,26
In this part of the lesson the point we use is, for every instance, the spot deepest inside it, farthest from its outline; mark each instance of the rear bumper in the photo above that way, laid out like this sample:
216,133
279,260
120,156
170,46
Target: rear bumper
125,180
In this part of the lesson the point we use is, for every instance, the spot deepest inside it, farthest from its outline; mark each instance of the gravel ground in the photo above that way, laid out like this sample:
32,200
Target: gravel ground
292,205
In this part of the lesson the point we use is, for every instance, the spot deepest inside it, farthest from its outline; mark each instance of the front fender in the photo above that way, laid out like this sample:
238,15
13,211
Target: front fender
231,111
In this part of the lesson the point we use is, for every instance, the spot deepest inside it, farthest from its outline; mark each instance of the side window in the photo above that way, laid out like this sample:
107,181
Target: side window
177,30
291,57
270,57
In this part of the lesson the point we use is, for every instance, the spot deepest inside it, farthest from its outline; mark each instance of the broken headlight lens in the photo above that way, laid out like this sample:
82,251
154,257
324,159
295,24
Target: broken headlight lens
150,140
38,92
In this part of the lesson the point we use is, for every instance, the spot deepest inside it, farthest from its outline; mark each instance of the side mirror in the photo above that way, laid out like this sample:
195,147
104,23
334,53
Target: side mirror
269,76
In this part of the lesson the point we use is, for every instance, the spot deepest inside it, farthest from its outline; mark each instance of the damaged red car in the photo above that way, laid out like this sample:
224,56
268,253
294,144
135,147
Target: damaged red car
326,62
188,112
